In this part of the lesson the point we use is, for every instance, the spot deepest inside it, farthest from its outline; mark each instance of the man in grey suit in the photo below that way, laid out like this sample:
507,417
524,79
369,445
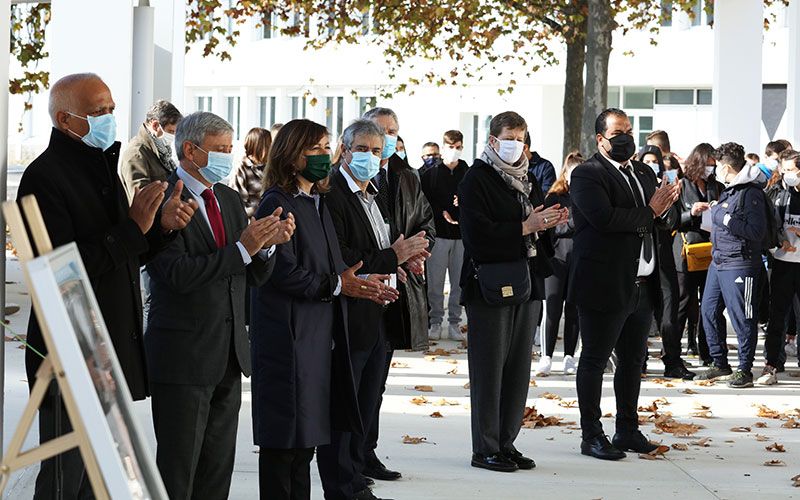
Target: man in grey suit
196,342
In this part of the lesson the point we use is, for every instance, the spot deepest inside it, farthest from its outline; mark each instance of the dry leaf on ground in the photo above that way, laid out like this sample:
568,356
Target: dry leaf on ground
702,442
532,383
414,440
419,400
423,388
454,371
791,424
607,415
399,364
705,383
550,395
766,412
702,414
466,386
436,414
430,358
740,429
680,447
760,437
796,481
568,403
689,391
775,447
666,423
451,361
445,402
775,463
760,425
662,401
437,352
531,419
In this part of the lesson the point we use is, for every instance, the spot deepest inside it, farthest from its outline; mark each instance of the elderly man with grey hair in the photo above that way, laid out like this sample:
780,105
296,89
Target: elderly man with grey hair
196,343
149,155
82,200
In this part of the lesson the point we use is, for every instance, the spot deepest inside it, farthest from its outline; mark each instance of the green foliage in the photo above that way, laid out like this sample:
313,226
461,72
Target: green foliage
28,23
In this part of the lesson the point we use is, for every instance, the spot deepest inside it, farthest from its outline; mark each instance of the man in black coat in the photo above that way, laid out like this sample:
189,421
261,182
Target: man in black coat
82,199
196,343
613,279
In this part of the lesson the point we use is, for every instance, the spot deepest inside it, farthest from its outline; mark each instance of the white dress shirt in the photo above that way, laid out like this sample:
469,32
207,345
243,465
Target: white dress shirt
646,268
196,189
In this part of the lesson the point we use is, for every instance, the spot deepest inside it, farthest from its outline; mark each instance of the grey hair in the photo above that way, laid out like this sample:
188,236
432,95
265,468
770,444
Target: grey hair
62,97
165,112
373,113
195,127
363,127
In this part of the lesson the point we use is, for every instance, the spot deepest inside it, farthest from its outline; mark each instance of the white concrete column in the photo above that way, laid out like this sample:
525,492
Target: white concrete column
79,43
5,58
248,111
142,70
793,78
737,88
169,33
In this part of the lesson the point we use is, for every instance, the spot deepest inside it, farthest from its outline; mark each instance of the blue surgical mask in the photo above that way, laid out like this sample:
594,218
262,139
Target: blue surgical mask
102,130
219,166
389,146
364,165
671,175
401,154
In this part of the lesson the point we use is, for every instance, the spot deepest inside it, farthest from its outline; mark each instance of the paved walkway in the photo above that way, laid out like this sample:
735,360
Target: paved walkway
730,466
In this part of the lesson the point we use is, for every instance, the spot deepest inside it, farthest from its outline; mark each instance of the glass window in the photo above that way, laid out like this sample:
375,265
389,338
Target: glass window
643,138
666,13
365,104
298,107
266,111
674,96
638,98
339,117
234,107
475,136
697,13
204,103
613,97
646,123
704,97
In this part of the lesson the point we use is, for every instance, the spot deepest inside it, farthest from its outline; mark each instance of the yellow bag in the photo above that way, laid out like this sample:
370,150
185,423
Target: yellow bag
697,255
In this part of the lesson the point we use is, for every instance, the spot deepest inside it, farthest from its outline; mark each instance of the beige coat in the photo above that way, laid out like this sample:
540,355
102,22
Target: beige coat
140,164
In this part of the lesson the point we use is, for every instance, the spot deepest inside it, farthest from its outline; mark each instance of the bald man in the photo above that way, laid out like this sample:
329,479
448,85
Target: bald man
82,199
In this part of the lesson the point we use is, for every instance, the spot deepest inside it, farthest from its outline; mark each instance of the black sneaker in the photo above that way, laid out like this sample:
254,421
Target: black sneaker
715,373
740,380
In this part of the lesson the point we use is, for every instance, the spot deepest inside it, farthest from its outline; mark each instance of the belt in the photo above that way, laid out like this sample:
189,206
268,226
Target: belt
641,280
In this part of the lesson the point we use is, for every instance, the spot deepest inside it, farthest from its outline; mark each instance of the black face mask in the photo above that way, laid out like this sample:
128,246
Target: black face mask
622,147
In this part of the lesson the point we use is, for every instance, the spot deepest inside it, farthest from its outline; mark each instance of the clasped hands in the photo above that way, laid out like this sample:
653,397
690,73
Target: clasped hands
541,219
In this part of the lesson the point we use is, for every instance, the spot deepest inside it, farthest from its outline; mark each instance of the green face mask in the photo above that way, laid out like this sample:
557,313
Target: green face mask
317,168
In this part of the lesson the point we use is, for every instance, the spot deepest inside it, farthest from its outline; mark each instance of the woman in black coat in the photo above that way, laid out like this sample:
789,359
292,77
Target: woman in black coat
699,187
302,382
501,214
555,286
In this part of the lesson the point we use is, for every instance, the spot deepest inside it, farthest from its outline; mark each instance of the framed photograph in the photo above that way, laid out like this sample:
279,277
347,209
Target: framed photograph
92,371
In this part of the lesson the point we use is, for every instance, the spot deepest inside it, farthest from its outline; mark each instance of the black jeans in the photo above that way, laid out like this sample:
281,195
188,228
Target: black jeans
784,287
373,429
668,326
625,332
691,286
555,288
284,474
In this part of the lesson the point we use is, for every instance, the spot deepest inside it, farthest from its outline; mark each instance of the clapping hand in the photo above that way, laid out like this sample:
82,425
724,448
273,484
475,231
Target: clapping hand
358,288
387,294
665,196
542,218
145,204
176,213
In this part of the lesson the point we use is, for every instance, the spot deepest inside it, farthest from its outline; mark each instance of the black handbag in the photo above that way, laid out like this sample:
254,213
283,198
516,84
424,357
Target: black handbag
504,283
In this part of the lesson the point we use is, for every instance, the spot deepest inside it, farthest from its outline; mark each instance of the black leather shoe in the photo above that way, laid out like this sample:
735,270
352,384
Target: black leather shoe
367,495
497,462
633,441
679,371
599,447
370,482
376,470
518,458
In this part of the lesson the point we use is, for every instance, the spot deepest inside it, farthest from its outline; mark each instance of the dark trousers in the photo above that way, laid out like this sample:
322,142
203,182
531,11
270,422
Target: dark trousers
668,327
371,443
784,288
555,288
736,291
195,428
499,354
691,286
284,474
63,476
342,462
624,332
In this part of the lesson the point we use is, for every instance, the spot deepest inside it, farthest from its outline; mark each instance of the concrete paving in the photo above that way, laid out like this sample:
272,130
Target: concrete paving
730,467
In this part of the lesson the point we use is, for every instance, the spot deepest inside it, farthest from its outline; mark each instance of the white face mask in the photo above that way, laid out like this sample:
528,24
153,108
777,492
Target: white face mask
771,163
510,150
791,179
654,166
451,155
709,171
167,138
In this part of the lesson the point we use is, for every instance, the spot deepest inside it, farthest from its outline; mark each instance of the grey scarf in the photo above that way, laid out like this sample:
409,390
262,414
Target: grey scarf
164,153
516,178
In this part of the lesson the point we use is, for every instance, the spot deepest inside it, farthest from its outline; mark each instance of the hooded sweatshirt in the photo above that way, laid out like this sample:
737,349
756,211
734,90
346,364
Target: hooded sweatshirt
738,231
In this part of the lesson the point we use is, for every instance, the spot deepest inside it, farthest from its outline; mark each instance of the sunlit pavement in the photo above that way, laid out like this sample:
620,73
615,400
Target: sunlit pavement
731,466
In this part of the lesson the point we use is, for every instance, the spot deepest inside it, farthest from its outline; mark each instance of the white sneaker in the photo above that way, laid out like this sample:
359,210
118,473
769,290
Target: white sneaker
435,332
570,364
791,349
544,366
454,332
768,377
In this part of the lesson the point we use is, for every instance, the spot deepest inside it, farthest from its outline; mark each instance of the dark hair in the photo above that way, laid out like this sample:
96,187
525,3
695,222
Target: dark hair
600,126
453,136
527,140
560,186
660,138
655,151
752,157
731,154
257,143
295,137
400,139
776,147
793,156
165,112
694,167
785,154
430,145
509,120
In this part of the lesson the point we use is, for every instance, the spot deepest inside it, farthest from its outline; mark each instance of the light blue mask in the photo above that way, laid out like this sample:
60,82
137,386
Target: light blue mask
364,165
389,146
219,166
671,175
102,130
401,154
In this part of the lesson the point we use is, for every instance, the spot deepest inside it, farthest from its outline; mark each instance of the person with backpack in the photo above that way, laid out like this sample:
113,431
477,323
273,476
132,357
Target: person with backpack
743,226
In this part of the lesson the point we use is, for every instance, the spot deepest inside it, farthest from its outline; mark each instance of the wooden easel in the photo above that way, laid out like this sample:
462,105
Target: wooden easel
50,368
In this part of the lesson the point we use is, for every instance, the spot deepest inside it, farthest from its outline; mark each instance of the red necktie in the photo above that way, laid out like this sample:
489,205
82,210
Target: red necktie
214,217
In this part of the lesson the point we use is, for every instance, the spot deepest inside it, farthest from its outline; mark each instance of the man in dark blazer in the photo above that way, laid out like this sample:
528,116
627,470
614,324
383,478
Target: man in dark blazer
364,236
82,199
617,205
196,342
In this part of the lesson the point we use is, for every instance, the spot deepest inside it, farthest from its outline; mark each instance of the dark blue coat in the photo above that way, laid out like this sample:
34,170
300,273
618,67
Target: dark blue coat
543,170
738,244
302,378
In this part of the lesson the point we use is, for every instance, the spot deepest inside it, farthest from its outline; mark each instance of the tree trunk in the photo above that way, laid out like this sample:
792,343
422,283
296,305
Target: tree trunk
600,28
573,93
